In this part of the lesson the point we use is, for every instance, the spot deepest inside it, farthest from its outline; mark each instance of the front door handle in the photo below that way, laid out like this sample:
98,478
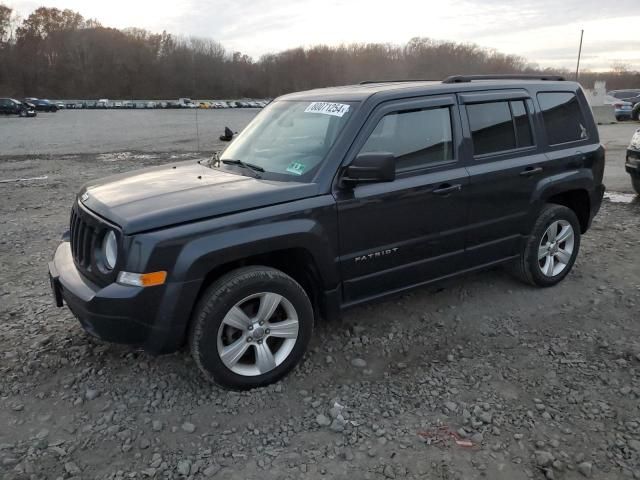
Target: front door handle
445,189
529,171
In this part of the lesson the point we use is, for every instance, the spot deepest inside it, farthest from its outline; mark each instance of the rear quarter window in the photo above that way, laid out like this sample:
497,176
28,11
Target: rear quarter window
563,119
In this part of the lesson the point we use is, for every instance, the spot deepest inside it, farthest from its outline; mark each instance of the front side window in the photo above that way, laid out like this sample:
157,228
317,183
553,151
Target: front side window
562,117
288,140
499,126
417,138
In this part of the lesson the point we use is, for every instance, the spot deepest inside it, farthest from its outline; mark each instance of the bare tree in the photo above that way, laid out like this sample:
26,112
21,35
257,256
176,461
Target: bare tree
70,57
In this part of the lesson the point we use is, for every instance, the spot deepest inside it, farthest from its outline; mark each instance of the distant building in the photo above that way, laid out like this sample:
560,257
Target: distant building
596,95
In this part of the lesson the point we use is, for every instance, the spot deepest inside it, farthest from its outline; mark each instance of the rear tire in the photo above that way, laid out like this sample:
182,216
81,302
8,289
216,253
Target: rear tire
635,181
551,249
251,327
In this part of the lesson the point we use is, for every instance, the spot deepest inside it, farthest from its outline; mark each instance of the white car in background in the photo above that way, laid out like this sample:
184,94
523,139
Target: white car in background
186,103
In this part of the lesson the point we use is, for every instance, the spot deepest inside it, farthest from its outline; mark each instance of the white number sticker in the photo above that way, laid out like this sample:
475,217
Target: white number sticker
327,108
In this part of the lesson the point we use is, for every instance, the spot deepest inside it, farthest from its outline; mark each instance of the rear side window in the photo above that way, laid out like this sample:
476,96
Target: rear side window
417,138
562,117
499,126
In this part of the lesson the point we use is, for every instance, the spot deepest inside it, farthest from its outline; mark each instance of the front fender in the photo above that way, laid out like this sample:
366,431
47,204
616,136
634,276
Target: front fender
197,258
189,252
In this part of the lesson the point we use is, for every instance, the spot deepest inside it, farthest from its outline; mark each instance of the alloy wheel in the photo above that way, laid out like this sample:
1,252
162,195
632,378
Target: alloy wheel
556,248
257,334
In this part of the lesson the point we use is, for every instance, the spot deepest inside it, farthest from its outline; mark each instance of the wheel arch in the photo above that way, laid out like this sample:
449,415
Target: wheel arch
297,262
572,190
576,200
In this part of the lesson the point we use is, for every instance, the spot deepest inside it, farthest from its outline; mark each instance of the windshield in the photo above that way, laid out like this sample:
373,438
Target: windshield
289,139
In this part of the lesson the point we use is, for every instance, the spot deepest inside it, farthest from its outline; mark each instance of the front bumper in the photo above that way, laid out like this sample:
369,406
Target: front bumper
154,318
632,163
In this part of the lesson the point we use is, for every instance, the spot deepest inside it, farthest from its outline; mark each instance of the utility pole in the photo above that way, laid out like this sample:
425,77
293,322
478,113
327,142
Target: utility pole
579,54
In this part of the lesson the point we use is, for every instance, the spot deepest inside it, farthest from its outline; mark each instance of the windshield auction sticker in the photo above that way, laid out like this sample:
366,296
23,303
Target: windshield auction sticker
327,108
296,168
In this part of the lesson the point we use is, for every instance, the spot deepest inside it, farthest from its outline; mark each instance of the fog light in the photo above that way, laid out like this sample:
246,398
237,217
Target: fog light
142,279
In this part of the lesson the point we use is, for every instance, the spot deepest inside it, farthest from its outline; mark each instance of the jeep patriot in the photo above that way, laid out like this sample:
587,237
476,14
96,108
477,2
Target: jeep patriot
330,198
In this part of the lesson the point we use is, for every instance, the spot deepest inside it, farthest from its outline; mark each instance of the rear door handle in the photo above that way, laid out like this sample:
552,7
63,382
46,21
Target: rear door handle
445,189
529,171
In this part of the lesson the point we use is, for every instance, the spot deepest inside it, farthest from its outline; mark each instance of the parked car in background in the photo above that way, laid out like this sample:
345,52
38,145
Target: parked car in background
128,104
102,103
635,112
632,164
11,106
622,109
60,105
42,105
186,103
117,104
632,96
151,105
629,95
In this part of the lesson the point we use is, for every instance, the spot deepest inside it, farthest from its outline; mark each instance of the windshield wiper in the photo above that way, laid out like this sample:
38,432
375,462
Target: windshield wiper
251,166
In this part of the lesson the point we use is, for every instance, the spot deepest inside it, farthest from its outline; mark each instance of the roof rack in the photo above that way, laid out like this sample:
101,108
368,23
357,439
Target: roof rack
508,76
366,82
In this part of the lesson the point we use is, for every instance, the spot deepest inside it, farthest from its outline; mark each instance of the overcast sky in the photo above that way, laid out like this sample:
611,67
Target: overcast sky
546,32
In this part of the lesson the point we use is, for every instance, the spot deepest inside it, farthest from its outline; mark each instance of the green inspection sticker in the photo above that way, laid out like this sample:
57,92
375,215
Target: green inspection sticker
296,168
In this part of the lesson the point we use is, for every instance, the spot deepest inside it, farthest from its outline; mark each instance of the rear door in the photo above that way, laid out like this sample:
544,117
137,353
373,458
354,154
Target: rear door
504,164
394,235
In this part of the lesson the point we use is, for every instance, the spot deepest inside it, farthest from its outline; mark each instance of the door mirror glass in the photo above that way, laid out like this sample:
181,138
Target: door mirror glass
371,167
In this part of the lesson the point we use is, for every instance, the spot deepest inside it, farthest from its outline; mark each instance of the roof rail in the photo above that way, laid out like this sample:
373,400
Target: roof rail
508,76
366,82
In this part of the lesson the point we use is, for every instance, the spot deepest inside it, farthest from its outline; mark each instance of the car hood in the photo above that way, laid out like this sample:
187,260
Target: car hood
182,192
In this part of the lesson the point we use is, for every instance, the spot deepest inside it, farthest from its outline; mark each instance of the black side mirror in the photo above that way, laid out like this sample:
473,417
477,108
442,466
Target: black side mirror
228,135
371,167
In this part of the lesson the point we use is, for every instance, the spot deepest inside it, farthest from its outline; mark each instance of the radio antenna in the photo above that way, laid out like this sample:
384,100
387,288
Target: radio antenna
579,54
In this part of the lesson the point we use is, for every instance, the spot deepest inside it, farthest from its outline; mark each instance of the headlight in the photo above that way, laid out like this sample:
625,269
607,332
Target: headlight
110,250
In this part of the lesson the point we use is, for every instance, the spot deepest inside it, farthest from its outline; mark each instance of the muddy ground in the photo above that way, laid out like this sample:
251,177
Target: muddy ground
540,383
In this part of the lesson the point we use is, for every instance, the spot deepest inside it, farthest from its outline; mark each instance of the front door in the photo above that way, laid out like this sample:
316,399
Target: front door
394,235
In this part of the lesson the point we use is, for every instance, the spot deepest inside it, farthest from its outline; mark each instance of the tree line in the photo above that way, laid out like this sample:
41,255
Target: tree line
59,54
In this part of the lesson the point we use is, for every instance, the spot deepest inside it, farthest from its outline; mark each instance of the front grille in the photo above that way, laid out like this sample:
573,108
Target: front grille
83,238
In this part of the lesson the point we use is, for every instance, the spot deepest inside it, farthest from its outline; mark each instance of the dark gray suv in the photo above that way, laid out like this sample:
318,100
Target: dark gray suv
328,199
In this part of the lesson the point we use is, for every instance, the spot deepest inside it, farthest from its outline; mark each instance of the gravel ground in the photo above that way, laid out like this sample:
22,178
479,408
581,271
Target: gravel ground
482,377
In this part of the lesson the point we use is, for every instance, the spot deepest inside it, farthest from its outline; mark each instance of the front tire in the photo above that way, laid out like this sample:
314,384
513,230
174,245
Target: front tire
251,327
551,249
